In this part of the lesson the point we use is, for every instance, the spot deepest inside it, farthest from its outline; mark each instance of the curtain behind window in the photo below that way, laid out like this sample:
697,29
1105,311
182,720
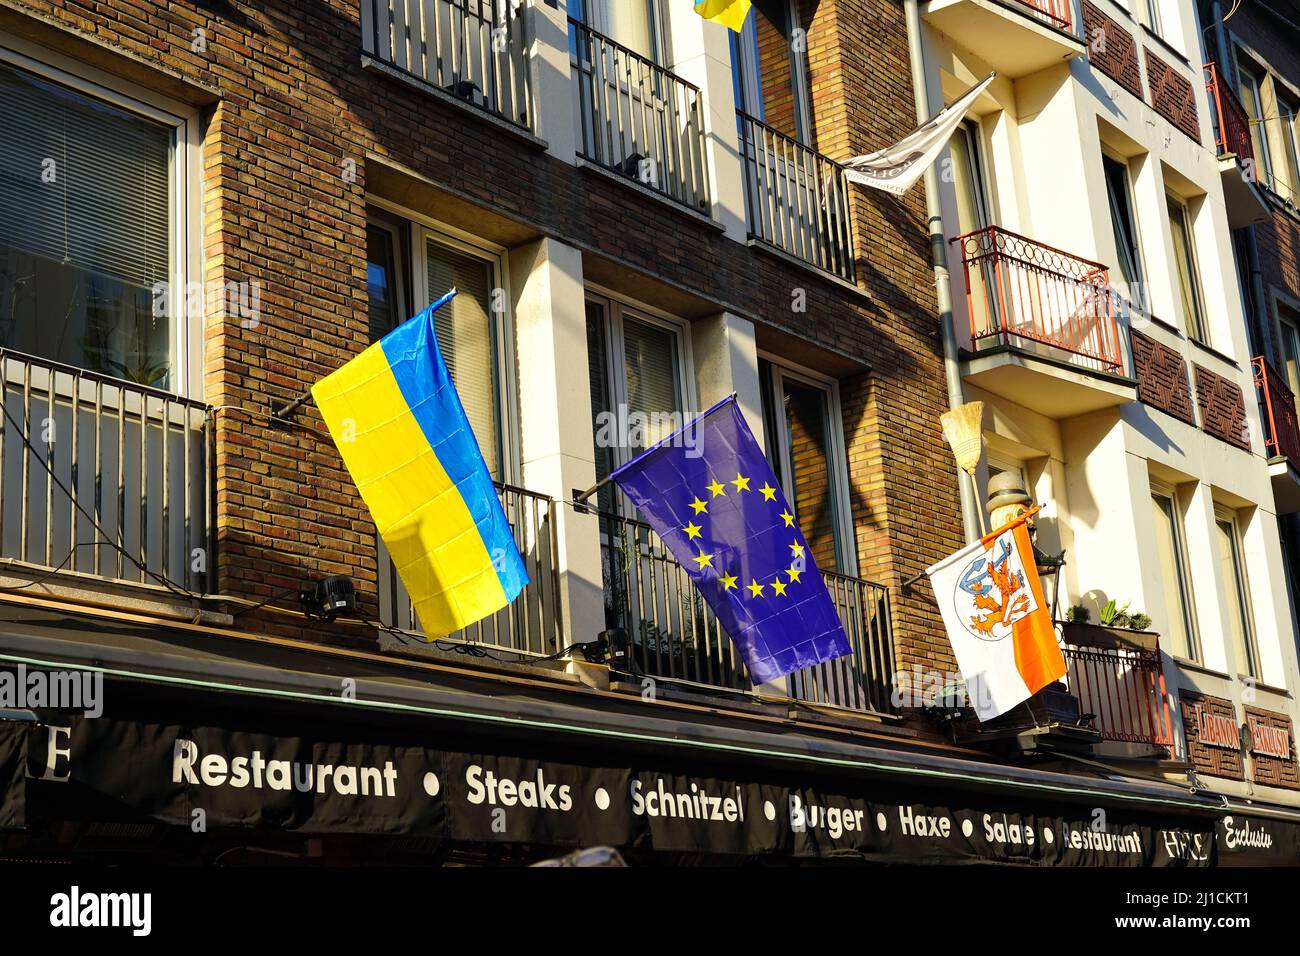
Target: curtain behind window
466,337
1121,218
1177,637
1188,282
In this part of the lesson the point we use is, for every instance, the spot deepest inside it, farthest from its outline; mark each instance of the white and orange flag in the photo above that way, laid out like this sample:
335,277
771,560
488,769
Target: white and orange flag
998,622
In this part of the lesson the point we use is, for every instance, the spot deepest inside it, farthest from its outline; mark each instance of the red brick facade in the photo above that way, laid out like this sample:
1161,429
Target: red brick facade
288,109
1222,407
1172,95
1269,769
1162,377
1111,49
1213,758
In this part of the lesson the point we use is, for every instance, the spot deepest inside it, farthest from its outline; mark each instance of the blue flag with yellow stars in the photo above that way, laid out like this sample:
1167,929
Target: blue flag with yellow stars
710,494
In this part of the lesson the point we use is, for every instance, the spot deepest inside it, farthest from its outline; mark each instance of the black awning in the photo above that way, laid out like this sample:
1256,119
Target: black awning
14,737
212,761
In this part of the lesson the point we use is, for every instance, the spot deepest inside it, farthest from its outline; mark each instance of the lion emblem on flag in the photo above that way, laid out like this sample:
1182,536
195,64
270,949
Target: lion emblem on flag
993,591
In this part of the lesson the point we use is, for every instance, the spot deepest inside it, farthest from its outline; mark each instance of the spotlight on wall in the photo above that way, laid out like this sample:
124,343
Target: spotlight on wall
329,597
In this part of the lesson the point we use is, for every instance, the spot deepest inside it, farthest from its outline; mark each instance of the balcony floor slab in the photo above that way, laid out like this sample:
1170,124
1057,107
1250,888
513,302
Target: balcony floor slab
1045,386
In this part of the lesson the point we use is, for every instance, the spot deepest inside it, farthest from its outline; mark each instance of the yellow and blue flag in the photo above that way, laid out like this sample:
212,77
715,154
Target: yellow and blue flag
730,13
710,494
398,423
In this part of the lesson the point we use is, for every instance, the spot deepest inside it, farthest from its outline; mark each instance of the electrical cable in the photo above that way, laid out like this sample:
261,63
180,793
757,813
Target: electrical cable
162,579
45,577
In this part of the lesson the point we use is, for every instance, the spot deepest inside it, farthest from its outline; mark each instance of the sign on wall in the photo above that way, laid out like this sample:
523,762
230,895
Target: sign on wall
1213,735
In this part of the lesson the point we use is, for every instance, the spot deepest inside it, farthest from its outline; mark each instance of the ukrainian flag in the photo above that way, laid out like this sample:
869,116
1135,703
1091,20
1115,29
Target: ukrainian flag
398,423
730,13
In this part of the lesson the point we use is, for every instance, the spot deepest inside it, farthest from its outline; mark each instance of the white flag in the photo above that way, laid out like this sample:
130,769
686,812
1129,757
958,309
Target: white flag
895,168
998,620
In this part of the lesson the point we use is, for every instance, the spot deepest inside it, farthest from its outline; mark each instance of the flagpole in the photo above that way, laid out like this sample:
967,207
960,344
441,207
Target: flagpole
287,410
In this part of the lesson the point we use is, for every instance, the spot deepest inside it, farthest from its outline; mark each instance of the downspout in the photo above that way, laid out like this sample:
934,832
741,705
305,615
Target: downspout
939,260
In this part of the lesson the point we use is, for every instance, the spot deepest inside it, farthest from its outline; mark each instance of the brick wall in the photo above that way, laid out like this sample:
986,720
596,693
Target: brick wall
1162,377
1222,407
1205,758
1111,49
1172,95
1265,768
292,105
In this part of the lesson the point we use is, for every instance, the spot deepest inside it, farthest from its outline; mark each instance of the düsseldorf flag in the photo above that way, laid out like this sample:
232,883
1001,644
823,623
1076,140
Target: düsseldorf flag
997,619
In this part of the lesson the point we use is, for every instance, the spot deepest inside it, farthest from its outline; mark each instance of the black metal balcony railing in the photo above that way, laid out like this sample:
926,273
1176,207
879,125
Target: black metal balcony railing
638,119
674,635
1122,687
79,450
531,624
472,49
796,199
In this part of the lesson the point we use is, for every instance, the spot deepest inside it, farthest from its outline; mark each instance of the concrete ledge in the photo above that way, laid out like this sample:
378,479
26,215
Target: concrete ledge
652,194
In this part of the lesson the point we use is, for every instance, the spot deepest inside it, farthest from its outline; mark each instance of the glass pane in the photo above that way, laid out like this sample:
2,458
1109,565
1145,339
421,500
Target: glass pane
466,335
1238,610
1250,99
603,422
653,382
970,188
1289,325
382,282
1121,216
86,231
808,433
1175,640
1184,260
628,22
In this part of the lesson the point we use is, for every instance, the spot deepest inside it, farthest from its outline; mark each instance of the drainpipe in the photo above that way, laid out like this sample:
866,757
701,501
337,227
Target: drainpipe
939,258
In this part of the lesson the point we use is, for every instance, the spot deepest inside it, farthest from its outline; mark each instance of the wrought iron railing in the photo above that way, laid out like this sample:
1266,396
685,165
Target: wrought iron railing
1026,294
1231,122
103,478
475,50
796,199
1123,689
638,119
529,625
1055,13
674,635
1282,438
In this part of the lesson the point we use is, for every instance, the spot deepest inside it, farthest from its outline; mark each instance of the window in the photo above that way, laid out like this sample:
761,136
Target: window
1288,325
92,191
1232,565
804,436
1250,85
638,385
1286,115
1189,278
768,74
472,335
636,24
968,173
1180,617
1148,14
1119,197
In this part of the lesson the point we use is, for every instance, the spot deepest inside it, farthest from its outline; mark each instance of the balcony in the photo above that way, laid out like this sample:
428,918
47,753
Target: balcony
796,199
530,626
457,47
1014,37
102,479
1044,325
1245,203
637,119
1282,434
1118,678
674,636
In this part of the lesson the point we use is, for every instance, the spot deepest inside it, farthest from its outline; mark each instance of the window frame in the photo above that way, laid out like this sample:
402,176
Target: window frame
782,369
417,295
185,243
748,80
1284,326
1244,609
1249,69
1139,263
1194,325
1182,567
616,308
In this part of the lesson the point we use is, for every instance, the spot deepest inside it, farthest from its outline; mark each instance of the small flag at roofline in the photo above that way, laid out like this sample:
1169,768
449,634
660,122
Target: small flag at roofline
730,13
997,620
398,422
711,496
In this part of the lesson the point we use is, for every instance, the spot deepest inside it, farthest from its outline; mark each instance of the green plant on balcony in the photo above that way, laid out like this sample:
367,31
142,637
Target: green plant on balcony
1114,616
1078,614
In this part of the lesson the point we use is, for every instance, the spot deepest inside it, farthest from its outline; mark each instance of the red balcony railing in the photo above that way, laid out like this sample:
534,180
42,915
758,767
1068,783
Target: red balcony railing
1031,296
1278,407
1123,689
1231,123
1054,13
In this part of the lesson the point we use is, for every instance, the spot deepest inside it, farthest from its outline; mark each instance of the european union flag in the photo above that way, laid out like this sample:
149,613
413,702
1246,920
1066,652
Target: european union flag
710,494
